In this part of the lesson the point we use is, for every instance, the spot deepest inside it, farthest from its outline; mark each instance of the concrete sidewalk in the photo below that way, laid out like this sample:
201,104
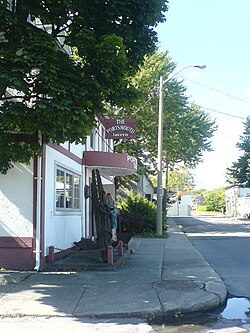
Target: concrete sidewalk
164,277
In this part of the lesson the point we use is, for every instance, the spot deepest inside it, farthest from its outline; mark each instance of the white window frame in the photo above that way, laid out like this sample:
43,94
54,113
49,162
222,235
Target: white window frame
67,174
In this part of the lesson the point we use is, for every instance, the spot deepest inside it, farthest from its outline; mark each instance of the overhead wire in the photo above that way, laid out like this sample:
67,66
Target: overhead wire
221,92
205,108
224,113
216,90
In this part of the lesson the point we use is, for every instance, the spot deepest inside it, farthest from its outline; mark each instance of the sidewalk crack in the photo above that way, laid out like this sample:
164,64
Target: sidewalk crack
159,299
73,312
163,259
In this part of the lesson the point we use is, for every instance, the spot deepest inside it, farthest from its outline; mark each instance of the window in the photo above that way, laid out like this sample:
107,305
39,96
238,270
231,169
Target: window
67,190
110,145
77,192
103,139
92,139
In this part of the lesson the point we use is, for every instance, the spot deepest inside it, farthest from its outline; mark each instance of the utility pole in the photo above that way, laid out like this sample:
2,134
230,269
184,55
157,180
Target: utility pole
160,137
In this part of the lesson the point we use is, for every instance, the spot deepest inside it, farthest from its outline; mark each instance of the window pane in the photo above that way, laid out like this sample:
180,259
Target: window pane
92,139
76,192
60,191
69,191
103,140
110,145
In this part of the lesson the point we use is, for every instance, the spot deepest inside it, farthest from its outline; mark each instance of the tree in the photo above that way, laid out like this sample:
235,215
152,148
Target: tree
180,179
198,193
239,173
44,89
187,128
215,200
190,130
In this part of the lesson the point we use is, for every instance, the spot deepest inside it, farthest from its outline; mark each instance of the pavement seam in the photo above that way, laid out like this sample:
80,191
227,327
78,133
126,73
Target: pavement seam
163,259
5,281
8,291
158,296
79,300
161,275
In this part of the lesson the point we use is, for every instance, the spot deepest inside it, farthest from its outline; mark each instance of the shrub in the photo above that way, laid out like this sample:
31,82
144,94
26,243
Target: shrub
138,214
215,200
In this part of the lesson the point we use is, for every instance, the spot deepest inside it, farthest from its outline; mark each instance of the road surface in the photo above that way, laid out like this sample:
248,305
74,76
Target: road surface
225,244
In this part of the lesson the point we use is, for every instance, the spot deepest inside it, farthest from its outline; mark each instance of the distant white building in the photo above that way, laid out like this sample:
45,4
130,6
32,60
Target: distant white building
237,201
145,187
182,207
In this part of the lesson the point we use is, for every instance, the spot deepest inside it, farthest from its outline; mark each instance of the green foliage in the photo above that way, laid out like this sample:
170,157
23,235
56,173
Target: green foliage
44,88
215,200
190,129
239,173
153,235
187,129
180,179
198,193
203,208
138,214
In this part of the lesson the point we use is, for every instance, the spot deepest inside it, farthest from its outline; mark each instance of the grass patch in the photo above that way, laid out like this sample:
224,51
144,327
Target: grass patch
152,235
202,212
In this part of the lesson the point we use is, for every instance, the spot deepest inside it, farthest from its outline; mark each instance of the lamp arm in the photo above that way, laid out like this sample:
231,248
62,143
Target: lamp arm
175,74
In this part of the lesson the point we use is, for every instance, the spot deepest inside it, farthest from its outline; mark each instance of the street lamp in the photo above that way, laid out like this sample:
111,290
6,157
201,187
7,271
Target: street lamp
159,159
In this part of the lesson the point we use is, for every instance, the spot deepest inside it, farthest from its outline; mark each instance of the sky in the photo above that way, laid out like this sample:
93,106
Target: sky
215,33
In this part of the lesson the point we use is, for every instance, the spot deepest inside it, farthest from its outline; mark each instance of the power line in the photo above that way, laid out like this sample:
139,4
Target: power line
224,113
205,108
152,95
217,90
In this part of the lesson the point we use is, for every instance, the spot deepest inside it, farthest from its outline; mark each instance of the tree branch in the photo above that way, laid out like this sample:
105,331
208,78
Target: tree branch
6,98
2,89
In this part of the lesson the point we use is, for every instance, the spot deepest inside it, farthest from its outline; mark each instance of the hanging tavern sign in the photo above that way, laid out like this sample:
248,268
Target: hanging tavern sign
120,128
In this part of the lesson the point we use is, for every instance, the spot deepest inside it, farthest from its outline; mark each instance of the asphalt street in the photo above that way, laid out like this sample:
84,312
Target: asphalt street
225,244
